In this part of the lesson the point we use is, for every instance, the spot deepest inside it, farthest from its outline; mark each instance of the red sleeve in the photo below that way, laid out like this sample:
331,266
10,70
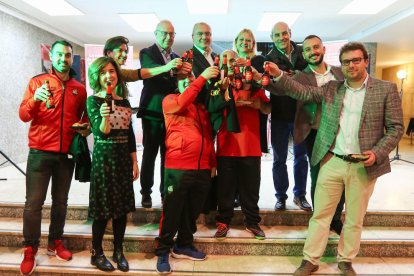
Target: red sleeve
175,104
262,95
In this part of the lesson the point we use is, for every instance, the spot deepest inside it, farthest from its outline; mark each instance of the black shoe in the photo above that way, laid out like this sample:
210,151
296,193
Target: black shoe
336,226
302,203
280,205
119,259
346,269
305,268
101,262
146,201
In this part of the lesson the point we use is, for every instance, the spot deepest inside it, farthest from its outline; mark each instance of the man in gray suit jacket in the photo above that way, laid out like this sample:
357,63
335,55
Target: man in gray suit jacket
308,114
361,123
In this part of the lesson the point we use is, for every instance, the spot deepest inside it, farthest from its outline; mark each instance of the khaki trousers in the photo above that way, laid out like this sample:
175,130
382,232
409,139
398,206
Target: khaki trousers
336,175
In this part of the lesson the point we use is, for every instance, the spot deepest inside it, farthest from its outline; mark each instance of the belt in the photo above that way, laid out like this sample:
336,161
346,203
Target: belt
347,158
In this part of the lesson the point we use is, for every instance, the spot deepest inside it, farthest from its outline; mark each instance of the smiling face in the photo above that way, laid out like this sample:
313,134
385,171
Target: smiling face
354,65
313,51
165,35
281,36
119,54
202,36
61,57
245,44
108,74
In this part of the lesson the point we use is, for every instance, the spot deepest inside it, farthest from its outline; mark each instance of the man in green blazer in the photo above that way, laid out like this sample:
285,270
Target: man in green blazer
361,123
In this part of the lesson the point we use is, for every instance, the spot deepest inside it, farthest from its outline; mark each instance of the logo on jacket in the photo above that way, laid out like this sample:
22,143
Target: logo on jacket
75,92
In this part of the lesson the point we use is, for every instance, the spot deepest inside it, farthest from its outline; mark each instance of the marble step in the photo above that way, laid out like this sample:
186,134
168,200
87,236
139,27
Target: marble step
269,217
144,264
280,240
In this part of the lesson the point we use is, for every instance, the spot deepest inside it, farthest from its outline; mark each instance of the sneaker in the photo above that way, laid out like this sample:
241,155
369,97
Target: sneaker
305,268
256,231
222,230
280,205
302,203
163,265
190,253
58,249
29,262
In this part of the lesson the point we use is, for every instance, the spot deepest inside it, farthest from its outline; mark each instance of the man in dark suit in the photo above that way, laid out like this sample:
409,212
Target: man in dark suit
203,55
308,114
361,120
153,92
288,56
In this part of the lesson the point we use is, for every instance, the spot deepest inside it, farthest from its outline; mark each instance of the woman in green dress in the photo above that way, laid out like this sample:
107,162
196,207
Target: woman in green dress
114,161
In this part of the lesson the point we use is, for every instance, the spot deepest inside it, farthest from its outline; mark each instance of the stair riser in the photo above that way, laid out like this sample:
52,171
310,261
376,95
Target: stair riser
269,218
228,247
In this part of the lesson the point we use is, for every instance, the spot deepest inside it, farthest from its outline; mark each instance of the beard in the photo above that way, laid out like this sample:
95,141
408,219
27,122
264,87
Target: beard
318,62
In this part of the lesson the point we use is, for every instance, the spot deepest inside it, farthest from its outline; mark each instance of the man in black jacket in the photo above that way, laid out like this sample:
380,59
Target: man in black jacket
288,56
153,92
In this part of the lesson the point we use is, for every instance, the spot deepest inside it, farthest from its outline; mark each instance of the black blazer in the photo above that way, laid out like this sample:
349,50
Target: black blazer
200,63
284,107
155,88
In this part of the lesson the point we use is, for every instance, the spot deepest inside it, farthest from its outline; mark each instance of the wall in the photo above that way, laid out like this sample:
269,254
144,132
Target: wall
390,74
20,60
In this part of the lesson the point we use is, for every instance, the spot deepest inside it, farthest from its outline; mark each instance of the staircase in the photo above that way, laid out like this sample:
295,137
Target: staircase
387,244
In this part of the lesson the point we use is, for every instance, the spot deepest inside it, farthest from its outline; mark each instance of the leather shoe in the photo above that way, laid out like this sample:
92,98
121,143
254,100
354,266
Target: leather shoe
119,259
146,201
280,205
336,226
302,203
101,262
305,268
346,269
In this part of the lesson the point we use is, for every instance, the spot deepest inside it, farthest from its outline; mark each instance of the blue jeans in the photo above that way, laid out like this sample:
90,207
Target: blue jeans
41,167
280,132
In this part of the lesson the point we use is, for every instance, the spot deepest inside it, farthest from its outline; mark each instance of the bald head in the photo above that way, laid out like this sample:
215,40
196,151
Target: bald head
281,36
165,34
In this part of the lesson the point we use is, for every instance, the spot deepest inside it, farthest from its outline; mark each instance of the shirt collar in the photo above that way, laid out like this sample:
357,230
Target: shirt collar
204,52
328,70
164,51
363,85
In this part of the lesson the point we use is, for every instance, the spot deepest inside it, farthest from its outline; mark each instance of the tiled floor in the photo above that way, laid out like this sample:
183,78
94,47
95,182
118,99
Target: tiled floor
393,191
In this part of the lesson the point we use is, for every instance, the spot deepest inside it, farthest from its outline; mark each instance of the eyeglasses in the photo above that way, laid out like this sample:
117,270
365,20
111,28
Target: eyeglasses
347,62
164,34
203,33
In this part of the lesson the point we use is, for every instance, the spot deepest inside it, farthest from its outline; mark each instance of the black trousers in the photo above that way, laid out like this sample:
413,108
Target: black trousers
241,174
98,231
185,194
41,167
314,171
153,138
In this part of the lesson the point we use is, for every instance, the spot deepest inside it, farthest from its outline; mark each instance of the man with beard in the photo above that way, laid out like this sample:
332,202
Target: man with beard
361,123
53,102
308,114
288,56
153,92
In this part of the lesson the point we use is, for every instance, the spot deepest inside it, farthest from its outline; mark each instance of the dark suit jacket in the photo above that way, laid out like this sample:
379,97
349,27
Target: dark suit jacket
200,63
308,114
284,108
155,88
381,126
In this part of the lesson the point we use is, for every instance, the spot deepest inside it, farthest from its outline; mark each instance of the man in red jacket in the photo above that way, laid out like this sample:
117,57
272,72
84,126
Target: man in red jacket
189,165
52,103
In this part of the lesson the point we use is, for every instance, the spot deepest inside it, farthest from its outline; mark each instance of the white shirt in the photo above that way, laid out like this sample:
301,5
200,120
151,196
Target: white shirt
324,78
347,141
206,54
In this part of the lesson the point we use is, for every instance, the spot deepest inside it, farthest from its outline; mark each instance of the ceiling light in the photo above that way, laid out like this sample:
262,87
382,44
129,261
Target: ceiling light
366,6
54,7
269,19
401,74
141,22
208,7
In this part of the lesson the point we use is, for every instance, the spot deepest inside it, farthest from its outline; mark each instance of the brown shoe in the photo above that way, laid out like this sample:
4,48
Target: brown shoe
346,269
305,268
